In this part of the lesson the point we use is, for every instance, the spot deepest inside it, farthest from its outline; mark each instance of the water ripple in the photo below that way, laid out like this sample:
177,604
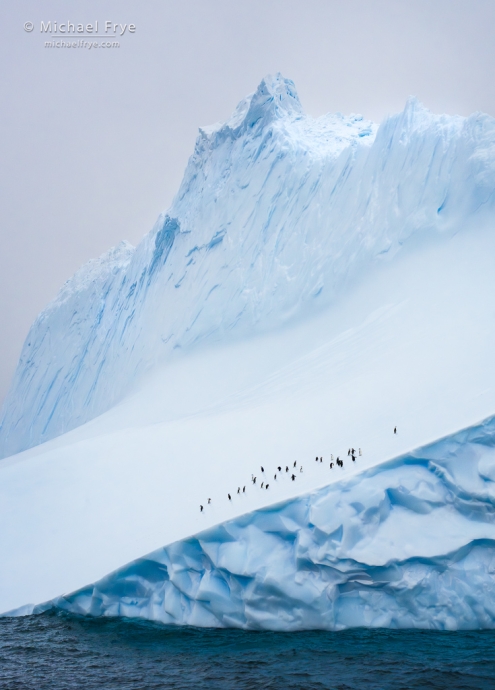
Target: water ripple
58,651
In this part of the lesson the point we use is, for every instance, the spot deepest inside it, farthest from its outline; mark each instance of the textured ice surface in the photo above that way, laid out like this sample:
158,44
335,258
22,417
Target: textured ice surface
276,216
407,544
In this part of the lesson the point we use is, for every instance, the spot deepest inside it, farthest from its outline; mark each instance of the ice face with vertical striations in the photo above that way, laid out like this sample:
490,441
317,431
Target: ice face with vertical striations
277,214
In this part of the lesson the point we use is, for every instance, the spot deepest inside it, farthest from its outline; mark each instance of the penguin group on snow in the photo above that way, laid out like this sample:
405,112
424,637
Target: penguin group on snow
351,453
340,463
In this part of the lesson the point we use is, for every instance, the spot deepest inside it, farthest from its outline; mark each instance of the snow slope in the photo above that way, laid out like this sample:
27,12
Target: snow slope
350,292
277,214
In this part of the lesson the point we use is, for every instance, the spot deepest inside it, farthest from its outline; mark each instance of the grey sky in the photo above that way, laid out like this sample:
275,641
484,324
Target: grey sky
94,143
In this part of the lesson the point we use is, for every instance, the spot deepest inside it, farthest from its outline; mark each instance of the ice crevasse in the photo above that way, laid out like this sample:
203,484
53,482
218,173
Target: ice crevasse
361,552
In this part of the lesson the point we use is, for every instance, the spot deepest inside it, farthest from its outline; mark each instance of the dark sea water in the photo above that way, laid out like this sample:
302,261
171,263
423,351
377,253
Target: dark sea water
60,651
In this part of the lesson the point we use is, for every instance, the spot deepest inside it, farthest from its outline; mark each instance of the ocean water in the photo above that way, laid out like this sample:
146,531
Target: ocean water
56,651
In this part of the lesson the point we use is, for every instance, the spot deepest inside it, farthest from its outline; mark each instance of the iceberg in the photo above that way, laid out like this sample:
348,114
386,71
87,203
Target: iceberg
276,216
315,284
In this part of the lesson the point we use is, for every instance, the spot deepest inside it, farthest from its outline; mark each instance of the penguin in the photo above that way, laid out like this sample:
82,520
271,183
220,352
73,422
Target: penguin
238,489
266,487
321,459
254,480
294,463
209,501
262,484
293,477
279,469
331,465
316,458
300,469
201,508
229,497
275,476
395,429
286,468
243,489
262,469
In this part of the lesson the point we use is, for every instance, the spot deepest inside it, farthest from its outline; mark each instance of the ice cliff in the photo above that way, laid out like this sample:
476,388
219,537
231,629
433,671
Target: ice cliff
406,544
276,214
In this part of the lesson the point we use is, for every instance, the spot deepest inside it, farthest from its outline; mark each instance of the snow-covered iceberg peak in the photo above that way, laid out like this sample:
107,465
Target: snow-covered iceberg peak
276,216
274,98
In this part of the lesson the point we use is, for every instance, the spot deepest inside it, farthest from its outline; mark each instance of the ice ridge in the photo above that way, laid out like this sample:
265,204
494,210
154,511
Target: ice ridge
406,544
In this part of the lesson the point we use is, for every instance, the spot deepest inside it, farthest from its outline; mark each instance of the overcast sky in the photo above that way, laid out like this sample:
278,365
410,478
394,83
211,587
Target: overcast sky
94,142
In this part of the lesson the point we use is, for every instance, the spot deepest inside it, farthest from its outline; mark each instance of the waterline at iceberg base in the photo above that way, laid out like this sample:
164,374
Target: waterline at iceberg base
406,544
